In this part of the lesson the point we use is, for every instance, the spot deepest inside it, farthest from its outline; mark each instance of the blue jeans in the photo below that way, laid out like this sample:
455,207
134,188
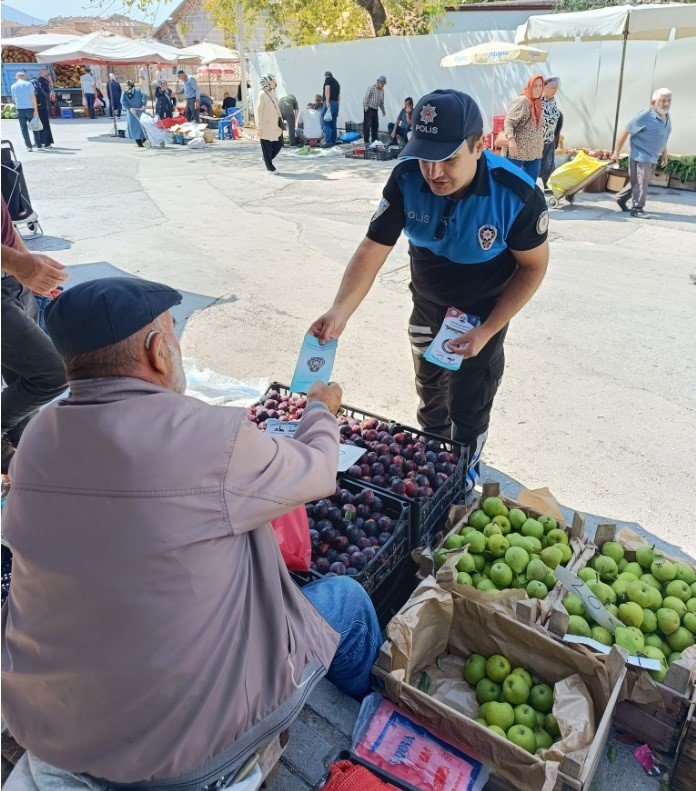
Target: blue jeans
24,116
531,167
89,98
348,609
329,127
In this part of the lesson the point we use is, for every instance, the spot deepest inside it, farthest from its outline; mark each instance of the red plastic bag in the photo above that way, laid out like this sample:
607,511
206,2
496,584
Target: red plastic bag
292,532
347,776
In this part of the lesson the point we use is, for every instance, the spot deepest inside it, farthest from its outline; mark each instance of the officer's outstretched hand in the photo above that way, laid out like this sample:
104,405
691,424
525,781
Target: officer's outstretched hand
329,326
471,343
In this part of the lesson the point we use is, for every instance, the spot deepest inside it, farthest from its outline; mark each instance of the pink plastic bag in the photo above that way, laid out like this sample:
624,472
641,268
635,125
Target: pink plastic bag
292,532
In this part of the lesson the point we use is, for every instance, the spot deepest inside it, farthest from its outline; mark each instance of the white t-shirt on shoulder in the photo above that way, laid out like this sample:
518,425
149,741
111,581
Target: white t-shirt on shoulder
311,123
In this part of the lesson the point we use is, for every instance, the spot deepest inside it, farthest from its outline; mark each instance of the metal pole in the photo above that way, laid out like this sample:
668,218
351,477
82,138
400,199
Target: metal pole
618,98
242,62
111,97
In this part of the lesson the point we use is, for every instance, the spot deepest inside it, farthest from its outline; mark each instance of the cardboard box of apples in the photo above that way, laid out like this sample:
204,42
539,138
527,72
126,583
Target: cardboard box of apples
651,601
536,711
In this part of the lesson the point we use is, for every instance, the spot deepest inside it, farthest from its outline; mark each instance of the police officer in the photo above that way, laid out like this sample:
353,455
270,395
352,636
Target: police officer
477,230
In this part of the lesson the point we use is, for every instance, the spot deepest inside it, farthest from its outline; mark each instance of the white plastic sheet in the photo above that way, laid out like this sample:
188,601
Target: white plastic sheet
216,388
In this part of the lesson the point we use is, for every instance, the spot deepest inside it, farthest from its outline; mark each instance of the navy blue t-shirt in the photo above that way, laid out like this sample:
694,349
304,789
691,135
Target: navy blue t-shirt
470,266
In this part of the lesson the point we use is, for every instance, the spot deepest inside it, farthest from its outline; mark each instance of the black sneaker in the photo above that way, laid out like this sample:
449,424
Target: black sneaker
622,204
641,213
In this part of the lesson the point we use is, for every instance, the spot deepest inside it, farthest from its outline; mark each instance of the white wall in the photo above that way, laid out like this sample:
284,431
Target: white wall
589,75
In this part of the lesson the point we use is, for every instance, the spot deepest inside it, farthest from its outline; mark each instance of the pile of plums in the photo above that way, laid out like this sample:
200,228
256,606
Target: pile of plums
347,531
396,459
279,406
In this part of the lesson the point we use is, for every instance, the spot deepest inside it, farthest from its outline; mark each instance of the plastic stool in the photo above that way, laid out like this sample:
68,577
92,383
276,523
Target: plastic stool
225,129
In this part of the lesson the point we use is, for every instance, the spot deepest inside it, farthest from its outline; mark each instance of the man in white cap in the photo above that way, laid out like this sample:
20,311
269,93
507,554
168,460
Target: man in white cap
373,101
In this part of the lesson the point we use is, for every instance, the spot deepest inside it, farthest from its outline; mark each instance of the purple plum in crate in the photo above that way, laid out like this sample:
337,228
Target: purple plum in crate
323,565
385,524
314,538
370,527
364,543
358,560
351,572
334,514
346,497
383,538
343,557
341,543
355,471
337,568
397,486
369,552
354,534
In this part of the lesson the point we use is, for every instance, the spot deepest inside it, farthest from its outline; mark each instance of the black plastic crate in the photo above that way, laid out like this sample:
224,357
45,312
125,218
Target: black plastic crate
382,156
354,126
428,515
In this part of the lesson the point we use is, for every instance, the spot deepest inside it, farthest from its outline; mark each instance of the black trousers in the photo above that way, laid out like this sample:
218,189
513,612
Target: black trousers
270,150
548,161
46,136
31,367
370,125
191,113
454,404
289,118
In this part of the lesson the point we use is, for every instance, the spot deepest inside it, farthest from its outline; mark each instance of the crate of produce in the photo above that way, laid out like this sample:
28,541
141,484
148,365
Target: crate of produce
466,551
381,154
657,701
354,154
354,126
448,655
429,497
358,532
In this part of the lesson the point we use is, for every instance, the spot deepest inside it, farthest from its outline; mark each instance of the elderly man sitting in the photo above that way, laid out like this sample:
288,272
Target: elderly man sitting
152,636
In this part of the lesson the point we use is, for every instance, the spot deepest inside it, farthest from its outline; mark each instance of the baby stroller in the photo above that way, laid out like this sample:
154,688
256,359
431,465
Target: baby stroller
15,191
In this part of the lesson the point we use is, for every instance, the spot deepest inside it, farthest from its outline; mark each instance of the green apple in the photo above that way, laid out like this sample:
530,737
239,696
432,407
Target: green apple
498,545
673,603
475,669
536,590
519,581
526,675
691,604
566,552
517,558
578,625
476,578
492,529
525,715
515,689
645,556
634,568
517,518
656,599
501,574
639,592
605,567
649,624
612,609
552,725
675,656
466,563
537,570
455,541
481,721
532,528
487,691
523,737
557,536
587,574
663,570
621,565
602,635
497,668
620,587
654,640
613,550
494,506
626,638
503,522
479,520
534,543
551,580
543,739
631,614
440,557
541,698
685,573
693,589
680,640
689,621
574,604
464,579
500,714
467,531
497,730
479,561
548,522
678,589
487,586
541,719
551,556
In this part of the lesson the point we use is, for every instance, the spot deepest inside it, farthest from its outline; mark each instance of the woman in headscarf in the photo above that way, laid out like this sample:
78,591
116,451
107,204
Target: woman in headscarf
114,90
164,101
553,122
524,128
44,95
269,121
134,101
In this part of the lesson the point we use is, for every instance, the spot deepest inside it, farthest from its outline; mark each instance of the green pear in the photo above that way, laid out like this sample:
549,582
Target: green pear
626,638
519,581
479,519
639,592
552,557
631,614
566,552
466,563
621,565
685,573
663,570
588,574
691,604
537,570
515,689
675,656
479,561
605,593
578,625
654,640
540,719
464,579
517,558
574,604
602,635
455,541
523,737
633,568
689,621
673,603
549,523
667,621
503,522
620,587
558,536
517,518
477,544
487,586
440,557
680,640
605,567
655,583
679,589
534,543
492,529
654,653
551,580
481,721
501,574
536,590
525,715
497,730
494,506
613,550
476,578
498,545
645,556
500,714
655,599
612,609
532,528
649,624
526,675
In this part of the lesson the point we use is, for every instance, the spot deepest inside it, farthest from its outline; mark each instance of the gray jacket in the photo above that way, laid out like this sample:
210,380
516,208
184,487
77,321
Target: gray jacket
151,624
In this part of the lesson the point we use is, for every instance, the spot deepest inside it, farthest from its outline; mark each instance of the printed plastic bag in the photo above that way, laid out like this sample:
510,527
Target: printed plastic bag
35,124
292,532
572,173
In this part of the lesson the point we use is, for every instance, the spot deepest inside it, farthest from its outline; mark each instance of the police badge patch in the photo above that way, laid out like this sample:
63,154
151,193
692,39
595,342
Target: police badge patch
381,208
487,234
543,222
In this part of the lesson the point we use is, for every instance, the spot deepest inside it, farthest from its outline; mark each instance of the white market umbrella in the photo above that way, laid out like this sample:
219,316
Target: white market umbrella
494,53
213,53
650,22
39,41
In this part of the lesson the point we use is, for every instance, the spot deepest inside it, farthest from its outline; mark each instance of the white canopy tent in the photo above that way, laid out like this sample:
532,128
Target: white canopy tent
650,22
39,41
213,53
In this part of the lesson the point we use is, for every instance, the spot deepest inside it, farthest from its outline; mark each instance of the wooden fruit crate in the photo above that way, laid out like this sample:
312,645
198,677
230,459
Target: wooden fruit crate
683,776
657,724
616,179
660,179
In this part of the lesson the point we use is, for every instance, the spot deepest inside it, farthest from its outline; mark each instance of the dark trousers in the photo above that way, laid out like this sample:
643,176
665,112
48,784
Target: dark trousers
191,112
31,367
401,133
115,107
89,98
370,125
289,119
270,150
639,175
454,404
46,135
24,116
548,161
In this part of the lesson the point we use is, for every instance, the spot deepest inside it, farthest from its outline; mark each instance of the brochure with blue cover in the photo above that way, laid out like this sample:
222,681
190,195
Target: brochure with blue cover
455,324
314,364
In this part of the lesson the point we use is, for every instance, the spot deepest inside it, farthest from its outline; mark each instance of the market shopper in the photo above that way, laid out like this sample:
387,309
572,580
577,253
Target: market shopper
477,230
553,123
649,132
228,102
189,89
43,87
165,101
309,130
289,109
89,91
401,128
269,121
373,101
115,91
331,103
155,633
524,128
134,101
24,98
33,370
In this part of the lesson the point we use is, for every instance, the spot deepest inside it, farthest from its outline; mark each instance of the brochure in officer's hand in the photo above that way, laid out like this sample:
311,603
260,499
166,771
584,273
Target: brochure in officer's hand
314,364
455,323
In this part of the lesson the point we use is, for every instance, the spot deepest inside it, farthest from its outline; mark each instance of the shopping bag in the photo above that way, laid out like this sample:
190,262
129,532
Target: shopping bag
292,533
328,115
35,124
572,173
